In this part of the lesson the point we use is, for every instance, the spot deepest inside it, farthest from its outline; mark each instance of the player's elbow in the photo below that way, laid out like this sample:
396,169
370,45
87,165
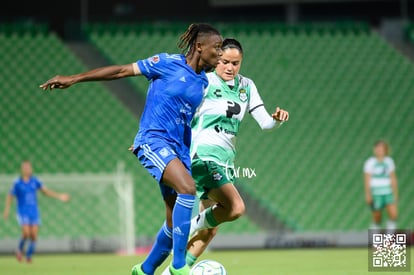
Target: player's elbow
268,125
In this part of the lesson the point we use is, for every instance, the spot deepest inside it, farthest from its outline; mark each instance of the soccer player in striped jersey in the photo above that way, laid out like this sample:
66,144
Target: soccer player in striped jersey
162,144
381,188
28,215
228,97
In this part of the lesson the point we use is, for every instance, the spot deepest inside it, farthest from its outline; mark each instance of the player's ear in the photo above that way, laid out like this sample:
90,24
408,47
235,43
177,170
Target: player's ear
199,47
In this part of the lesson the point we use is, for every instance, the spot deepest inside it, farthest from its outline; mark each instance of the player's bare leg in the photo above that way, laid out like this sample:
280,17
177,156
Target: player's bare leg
392,217
177,177
376,221
229,207
178,215
169,202
163,242
33,232
376,216
225,204
200,241
25,236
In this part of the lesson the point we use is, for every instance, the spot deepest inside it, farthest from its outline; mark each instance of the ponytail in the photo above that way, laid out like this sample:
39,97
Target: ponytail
188,39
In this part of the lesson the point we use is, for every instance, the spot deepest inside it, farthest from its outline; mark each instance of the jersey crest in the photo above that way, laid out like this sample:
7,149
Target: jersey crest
243,95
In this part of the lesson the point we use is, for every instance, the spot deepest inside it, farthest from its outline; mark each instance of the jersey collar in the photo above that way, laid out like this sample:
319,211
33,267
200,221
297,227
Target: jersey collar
236,82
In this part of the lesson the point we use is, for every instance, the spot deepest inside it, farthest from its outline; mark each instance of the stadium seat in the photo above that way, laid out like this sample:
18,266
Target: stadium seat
335,80
343,85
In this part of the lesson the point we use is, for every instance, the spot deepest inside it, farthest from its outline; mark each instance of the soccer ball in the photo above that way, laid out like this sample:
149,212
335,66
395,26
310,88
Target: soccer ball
208,267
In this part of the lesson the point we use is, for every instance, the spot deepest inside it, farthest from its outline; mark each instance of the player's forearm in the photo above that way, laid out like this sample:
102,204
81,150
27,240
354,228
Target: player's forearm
104,73
263,118
7,203
51,194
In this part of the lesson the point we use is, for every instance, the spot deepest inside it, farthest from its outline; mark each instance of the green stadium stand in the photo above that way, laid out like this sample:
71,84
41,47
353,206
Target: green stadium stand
409,32
344,86
84,129
336,86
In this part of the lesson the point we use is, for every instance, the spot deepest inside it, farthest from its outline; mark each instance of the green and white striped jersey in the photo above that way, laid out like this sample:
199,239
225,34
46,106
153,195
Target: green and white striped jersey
216,123
380,174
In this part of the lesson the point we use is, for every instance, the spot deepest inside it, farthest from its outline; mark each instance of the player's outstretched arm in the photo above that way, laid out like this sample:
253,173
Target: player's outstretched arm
98,74
280,115
60,196
8,202
267,121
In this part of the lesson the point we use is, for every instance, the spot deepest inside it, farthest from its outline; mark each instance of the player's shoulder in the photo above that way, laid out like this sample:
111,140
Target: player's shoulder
370,161
17,180
164,58
389,159
245,81
171,58
213,79
35,179
212,76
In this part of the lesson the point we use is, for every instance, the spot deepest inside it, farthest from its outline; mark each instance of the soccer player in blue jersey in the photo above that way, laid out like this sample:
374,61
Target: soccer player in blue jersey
227,99
162,144
25,190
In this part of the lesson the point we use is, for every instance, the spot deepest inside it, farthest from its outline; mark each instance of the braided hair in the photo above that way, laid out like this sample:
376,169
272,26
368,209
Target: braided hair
188,39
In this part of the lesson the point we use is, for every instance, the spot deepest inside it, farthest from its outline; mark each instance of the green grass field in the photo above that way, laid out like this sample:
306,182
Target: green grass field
248,262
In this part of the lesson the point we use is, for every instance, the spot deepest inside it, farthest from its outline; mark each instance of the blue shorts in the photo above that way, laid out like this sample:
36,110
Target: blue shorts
28,219
155,157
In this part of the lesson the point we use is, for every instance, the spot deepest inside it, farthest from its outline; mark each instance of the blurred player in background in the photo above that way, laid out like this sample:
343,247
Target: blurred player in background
25,190
227,99
162,144
381,188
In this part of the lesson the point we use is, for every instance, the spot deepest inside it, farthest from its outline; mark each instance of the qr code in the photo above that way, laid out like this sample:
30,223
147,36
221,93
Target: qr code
389,251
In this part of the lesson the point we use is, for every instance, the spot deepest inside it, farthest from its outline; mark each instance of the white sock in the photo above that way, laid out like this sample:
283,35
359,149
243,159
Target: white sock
391,226
166,271
375,227
199,222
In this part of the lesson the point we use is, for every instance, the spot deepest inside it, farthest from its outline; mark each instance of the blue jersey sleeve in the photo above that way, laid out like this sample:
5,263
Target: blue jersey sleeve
39,184
154,66
13,189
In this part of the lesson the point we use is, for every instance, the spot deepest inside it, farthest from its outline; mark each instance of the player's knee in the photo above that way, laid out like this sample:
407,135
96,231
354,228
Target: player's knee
393,215
237,210
25,235
33,236
187,188
376,216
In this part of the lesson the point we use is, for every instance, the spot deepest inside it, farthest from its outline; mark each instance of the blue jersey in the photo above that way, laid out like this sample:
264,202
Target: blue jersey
174,93
26,195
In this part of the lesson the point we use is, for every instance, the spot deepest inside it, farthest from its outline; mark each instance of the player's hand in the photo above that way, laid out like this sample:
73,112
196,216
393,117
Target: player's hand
280,115
57,82
64,197
131,148
6,214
